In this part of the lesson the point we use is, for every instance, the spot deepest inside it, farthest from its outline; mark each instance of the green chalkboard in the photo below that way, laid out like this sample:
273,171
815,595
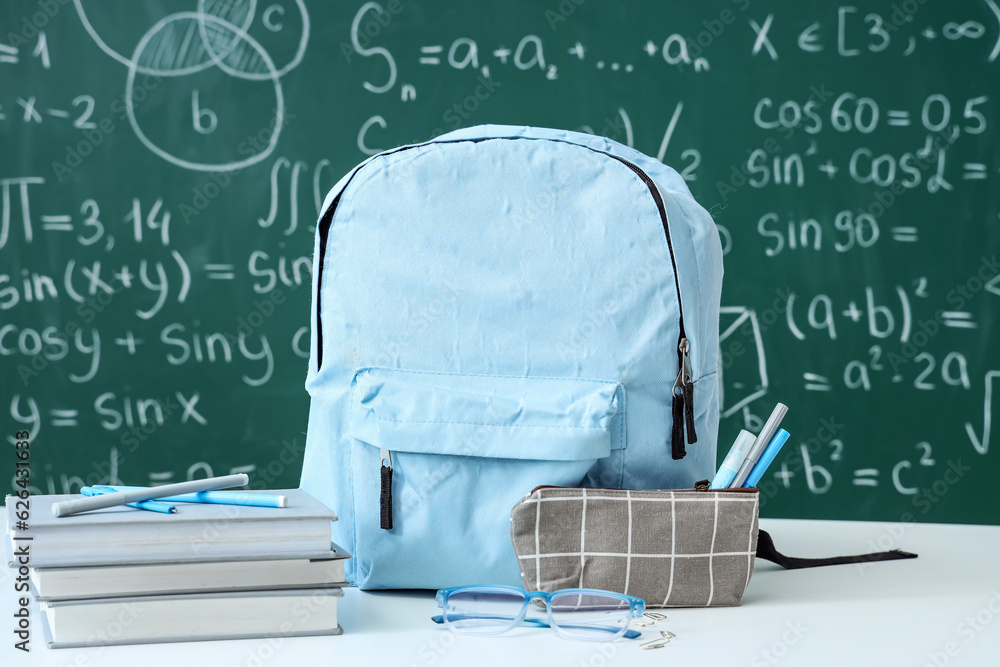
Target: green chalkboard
162,165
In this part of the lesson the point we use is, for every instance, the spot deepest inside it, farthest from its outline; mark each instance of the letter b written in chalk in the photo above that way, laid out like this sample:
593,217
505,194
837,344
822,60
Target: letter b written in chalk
204,119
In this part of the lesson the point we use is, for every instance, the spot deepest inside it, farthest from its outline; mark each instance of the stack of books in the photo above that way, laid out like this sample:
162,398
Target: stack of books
126,576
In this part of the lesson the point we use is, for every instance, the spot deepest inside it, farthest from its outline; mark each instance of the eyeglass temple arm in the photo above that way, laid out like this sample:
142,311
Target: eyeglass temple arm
629,634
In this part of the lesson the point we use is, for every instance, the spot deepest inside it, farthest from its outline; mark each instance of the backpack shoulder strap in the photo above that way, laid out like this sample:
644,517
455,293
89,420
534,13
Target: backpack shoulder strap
766,550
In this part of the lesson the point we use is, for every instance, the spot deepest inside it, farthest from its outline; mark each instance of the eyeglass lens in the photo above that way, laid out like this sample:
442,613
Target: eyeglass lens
483,611
589,616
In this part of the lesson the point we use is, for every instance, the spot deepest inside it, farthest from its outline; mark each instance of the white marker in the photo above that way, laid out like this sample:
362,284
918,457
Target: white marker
123,497
734,459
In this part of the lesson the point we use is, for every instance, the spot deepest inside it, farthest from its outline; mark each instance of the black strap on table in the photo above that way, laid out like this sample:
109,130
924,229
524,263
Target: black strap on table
766,550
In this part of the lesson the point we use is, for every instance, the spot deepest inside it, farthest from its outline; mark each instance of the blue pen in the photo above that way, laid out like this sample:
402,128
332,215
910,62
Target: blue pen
766,458
151,505
217,497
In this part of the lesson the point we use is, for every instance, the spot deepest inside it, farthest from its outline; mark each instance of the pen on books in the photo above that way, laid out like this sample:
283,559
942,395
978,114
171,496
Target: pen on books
734,459
766,458
763,438
118,498
151,505
215,497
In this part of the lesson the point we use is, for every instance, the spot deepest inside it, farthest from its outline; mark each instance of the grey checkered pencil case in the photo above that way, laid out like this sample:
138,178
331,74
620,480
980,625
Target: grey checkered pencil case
671,548
674,548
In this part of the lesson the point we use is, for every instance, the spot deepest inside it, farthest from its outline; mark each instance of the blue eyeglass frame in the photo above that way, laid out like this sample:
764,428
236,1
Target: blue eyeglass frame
637,607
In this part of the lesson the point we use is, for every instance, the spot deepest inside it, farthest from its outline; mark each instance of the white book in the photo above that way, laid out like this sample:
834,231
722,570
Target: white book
99,581
196,532
194,617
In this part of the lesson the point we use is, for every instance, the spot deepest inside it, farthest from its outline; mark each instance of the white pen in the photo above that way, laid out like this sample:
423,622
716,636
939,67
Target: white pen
209,497
105,500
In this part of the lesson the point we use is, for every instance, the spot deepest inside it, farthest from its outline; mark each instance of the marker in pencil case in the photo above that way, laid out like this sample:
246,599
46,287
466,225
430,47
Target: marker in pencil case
766,458
760,444
734,459
151,505
215,497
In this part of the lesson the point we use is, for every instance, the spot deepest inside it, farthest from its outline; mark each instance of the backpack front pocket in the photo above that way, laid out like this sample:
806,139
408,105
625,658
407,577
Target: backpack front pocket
422,439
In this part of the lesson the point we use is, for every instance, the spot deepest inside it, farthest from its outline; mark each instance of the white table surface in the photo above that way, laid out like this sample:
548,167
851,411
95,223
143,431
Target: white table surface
942,608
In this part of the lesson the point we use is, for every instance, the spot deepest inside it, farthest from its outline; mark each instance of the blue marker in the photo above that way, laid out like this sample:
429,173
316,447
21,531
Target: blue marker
766,458
216,497
151,505
734,459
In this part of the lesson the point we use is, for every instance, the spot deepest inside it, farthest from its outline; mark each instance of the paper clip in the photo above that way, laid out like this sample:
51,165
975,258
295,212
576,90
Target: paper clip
647,619
665,637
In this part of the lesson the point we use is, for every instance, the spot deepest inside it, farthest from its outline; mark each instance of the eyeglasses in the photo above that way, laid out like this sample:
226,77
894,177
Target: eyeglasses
578,613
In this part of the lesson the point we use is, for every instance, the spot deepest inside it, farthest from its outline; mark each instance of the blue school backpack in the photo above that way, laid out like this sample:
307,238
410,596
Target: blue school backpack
496,309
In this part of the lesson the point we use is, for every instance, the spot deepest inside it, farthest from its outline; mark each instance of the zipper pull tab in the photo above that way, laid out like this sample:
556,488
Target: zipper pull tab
685,347
683,402
677,450
385,497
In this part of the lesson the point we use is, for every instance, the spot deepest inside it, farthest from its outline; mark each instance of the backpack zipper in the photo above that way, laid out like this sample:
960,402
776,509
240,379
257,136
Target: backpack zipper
683,402
701,486
683,389
385,495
